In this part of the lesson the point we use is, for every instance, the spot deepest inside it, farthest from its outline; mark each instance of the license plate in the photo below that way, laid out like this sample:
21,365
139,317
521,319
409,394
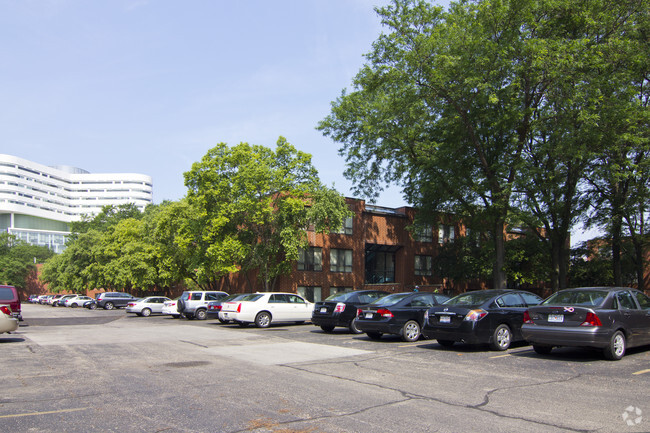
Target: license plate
556,318
445,319
368,315
323,310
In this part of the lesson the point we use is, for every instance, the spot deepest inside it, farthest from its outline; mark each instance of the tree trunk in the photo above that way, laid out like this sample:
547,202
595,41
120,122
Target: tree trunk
616,249
499,277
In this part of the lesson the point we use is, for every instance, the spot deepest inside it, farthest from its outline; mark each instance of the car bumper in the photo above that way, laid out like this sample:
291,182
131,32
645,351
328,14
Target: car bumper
331,320
576,336
377,326
467,332
8,325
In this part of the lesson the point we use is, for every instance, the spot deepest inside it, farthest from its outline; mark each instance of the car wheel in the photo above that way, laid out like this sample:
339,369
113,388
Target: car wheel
446,343
180,306
374,335
542,350
146,312
616,348
327,328
74,305
176,316
353,327
201,314
263,320
501,338
109,306
92,306
411,331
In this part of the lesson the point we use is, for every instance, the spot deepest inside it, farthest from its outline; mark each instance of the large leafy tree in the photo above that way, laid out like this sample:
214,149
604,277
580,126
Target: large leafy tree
253,205
18,259
453,105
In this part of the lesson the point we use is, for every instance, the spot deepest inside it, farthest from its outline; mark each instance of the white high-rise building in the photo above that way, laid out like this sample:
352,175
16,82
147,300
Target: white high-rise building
38,202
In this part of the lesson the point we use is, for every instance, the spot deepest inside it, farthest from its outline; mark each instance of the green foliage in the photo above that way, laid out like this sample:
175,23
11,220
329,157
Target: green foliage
18,259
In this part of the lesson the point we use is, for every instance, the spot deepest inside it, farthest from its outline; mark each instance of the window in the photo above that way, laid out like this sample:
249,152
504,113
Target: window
312,294
424,233
310,259
347,227
422,301
510,300
380,267
340,260
293,299
644,301
531,299
278,299
445,233
626,301
424,265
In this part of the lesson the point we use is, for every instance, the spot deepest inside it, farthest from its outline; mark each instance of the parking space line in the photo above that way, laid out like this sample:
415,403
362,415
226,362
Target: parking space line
499,356
643,371
44,413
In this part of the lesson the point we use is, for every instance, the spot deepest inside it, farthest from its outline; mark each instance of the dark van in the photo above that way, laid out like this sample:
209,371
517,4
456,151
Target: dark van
9,296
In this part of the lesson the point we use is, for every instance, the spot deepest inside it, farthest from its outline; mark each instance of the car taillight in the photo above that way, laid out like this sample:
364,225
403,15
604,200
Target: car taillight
359,311
239,308
340,307
527,318
383,312
475,315
5,310
591,320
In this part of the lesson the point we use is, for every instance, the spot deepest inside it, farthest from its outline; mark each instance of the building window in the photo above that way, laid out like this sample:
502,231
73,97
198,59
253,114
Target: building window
424,265
424,233
380,267
310,259
312,294
445,233
347,227
340,260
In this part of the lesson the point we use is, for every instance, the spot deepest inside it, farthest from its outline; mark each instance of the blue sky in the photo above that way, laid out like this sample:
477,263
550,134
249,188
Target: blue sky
148,86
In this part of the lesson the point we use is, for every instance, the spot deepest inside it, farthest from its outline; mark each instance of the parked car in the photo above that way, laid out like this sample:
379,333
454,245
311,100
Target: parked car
8,323
400,314
61,301
484,316
76,301
147,306
170,308
43,299
110,300
340,309
91,305
194,304
607,318
214,307
9,297
266,308
33,299
54,300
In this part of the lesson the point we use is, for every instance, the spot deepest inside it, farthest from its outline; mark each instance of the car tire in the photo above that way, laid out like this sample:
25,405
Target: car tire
411,331
263,320
374,335
92,306
176,316
501,338
75,305
541,349
616,348
180,306
146,312
201,314
327,328
446,343
353,327
109,306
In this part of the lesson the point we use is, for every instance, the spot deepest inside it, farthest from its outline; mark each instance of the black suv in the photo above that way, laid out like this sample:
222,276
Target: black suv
110,300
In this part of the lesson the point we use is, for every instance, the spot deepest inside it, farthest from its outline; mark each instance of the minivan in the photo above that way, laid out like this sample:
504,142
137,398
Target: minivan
9,296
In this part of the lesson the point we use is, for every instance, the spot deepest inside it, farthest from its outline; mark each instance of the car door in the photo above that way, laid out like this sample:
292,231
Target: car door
632,316
157,305
279,307
511,311
300,309
644,304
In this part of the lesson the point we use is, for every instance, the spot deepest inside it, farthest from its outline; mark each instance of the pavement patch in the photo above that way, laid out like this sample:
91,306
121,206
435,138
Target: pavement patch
285,353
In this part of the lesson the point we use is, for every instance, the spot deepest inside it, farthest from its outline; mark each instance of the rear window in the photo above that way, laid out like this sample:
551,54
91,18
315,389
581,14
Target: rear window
251,298
390,299
341,297
6,294
591,298
473,299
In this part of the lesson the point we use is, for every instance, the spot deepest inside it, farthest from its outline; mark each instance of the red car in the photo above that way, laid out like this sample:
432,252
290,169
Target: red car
9,297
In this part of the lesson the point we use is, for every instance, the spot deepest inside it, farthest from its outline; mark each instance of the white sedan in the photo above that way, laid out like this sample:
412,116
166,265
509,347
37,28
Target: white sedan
77,301
7,322
145,307
170,308
266,308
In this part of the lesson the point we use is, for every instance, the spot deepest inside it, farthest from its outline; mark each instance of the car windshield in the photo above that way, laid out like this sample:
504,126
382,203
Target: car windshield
251,298
590,298
390,299
340,297
472,299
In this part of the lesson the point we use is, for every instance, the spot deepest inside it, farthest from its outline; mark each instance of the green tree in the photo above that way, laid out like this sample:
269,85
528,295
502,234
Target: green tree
253,205
18,259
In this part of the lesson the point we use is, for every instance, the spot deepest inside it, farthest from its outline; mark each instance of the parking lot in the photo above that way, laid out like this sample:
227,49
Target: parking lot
77,370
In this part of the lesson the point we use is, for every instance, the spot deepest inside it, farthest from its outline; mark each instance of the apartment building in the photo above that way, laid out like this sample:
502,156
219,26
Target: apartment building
37,202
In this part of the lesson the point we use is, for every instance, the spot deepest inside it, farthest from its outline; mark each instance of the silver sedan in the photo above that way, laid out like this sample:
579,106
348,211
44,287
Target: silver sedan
145,307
